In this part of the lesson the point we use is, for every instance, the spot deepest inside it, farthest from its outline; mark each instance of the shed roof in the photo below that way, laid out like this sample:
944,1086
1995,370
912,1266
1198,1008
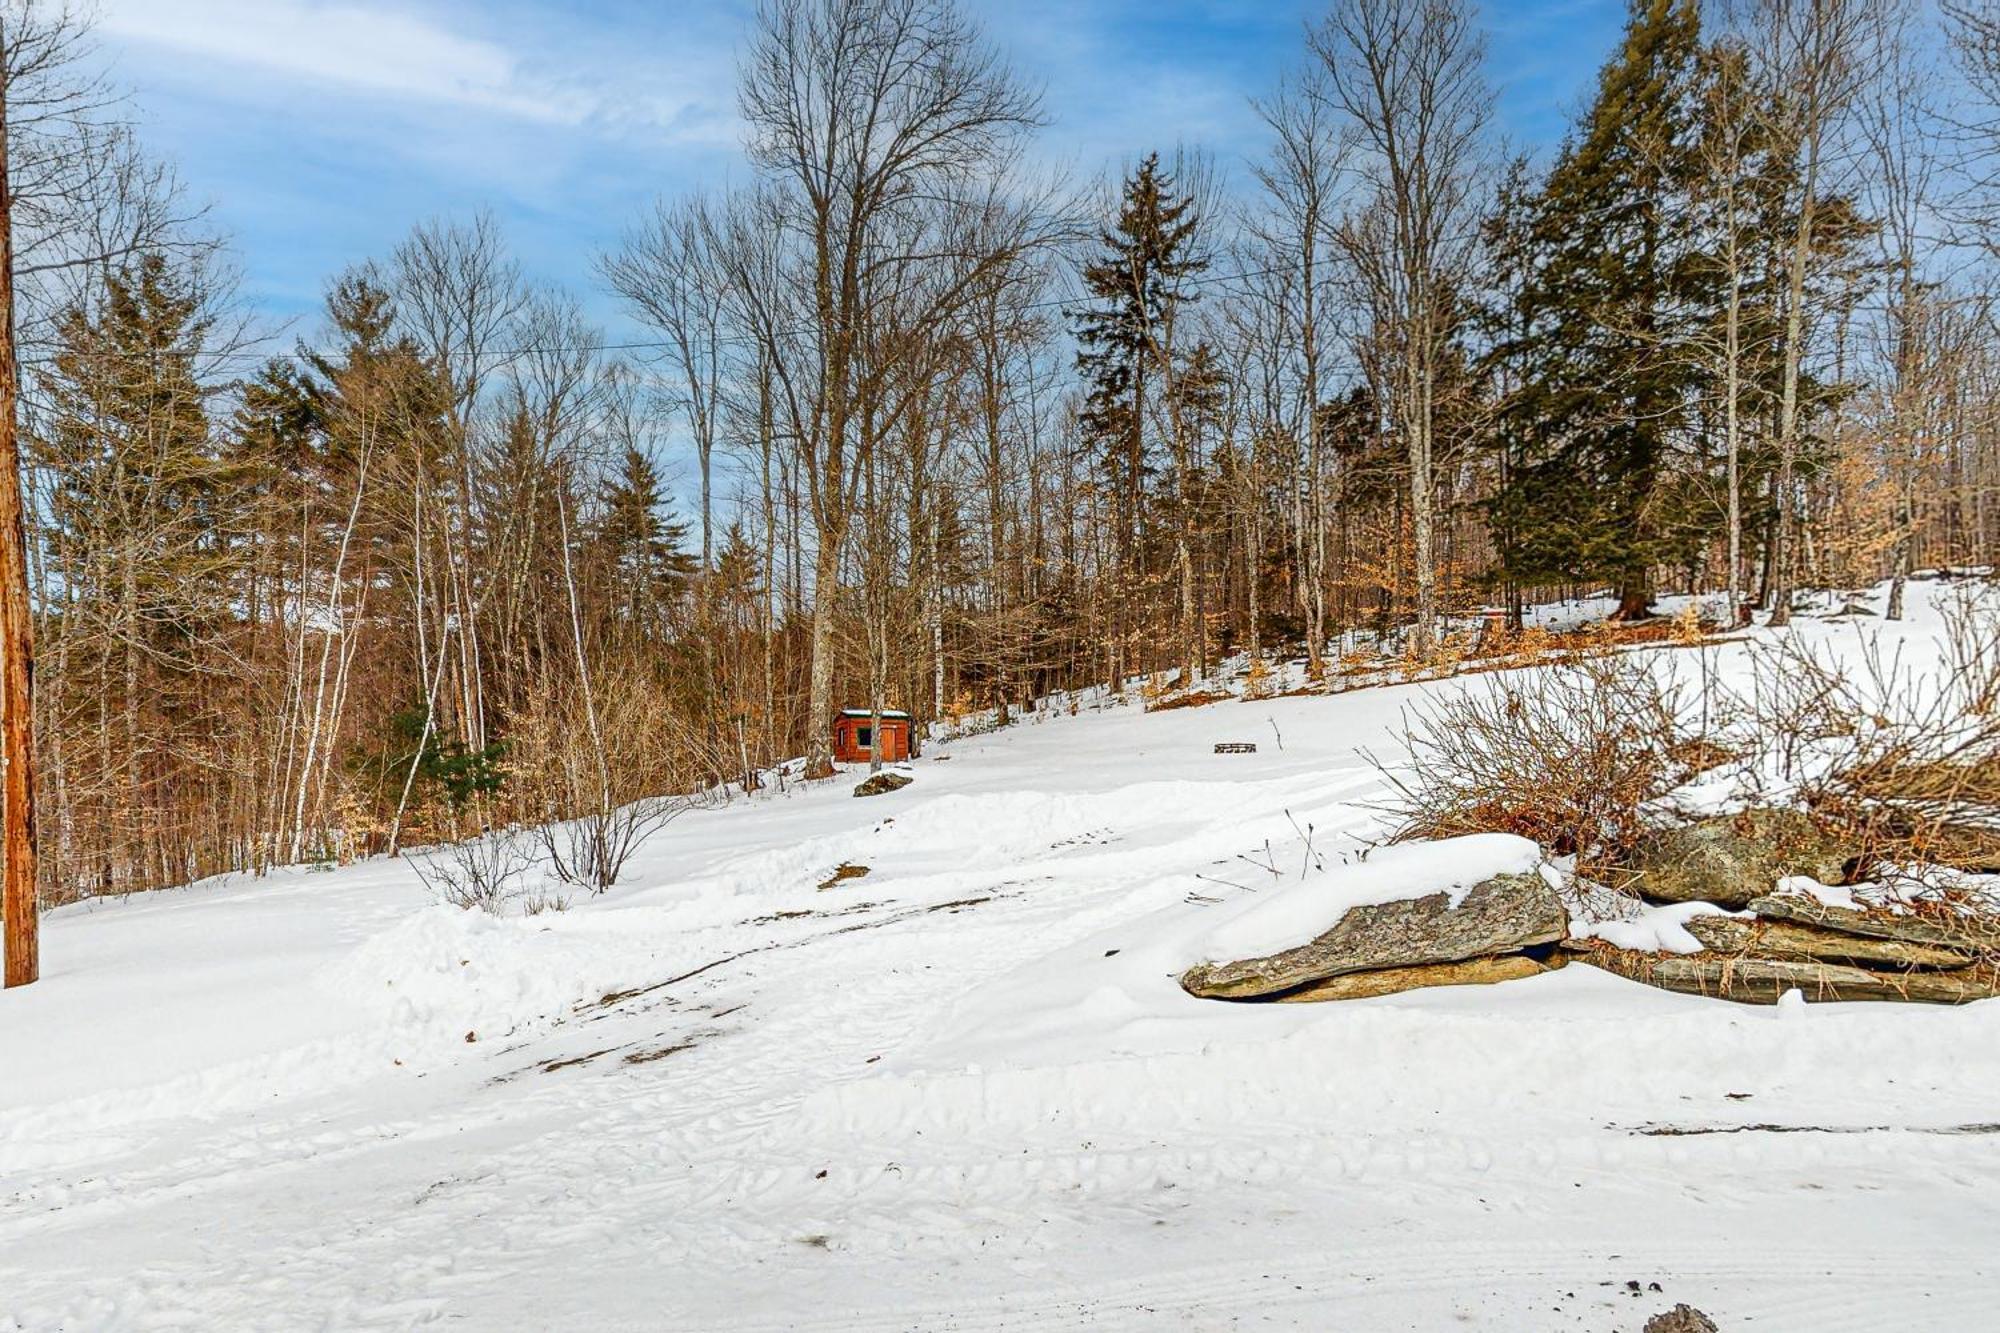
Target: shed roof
893,714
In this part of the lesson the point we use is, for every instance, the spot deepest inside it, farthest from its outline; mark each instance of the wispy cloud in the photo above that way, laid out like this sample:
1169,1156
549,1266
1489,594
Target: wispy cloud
557,70
369,49
323,128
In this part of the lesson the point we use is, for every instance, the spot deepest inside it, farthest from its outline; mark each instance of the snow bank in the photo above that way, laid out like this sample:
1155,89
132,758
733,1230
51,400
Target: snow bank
444,972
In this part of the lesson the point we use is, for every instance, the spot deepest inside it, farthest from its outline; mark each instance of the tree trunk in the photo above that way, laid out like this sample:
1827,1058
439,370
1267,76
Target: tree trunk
17,784
1421,523
819,696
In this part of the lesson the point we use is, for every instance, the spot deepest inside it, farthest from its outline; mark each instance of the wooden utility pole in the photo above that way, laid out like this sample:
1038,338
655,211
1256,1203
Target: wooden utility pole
17,649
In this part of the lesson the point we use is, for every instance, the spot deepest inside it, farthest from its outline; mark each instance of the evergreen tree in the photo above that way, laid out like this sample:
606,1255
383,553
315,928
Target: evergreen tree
1141,279
1613,289
643,544
136,478
738,577
137,554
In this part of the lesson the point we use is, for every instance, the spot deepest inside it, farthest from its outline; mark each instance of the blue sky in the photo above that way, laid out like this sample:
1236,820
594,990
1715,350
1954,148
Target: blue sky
320,130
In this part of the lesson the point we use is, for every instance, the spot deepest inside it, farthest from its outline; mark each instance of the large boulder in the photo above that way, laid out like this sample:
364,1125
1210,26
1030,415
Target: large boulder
1502,914
1765,980
1390,980
1786,940
1730,859
1977,934
883,783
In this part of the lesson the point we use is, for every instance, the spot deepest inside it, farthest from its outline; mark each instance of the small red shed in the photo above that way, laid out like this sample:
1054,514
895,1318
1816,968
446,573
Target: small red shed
854,735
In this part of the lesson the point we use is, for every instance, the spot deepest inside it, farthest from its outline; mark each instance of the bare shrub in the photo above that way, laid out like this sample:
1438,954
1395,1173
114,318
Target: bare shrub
1583,753
1566,754
485,872
591,850
1971,615
1906,759
601,787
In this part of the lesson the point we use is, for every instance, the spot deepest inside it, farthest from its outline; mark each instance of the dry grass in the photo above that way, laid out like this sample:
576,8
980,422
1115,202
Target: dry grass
1192,699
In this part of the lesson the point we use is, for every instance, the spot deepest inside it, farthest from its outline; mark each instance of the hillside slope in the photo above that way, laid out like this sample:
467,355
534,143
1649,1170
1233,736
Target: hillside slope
959,1092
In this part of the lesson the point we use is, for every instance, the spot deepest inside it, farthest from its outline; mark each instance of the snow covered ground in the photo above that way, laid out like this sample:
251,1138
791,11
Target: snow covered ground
961,1092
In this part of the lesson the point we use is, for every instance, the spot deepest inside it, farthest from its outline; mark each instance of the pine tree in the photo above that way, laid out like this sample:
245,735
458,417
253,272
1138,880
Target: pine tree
1142,280
1614,288
136,478
738,578
643,543
136,541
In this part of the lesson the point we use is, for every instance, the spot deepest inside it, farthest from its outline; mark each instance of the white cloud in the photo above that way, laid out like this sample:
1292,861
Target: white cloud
368,49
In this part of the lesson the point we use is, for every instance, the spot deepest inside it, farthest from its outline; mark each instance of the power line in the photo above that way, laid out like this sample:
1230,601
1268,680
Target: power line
661,344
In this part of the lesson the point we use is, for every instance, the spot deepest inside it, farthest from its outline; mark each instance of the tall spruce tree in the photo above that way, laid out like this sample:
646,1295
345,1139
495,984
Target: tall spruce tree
1140,280
1504,323
642,541
1613,290
138,550
135,475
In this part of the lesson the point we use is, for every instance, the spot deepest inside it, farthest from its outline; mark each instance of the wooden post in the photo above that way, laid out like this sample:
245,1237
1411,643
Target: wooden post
17,661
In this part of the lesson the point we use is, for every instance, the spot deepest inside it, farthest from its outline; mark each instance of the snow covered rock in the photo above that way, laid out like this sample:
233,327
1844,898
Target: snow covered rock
1786,940
1410,906
883,782
1645,927
1730,859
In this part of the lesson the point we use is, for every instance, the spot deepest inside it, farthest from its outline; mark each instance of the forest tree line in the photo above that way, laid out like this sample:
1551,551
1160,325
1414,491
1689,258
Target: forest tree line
957,430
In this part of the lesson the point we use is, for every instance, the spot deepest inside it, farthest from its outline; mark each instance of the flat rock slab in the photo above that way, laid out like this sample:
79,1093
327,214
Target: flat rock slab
1975,934
1730,859
1786,940
883,782
1390,980
1764,980
1499,915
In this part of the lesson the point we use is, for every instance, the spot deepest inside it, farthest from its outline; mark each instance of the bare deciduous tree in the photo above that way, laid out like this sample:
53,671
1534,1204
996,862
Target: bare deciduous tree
882,126
1406,76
